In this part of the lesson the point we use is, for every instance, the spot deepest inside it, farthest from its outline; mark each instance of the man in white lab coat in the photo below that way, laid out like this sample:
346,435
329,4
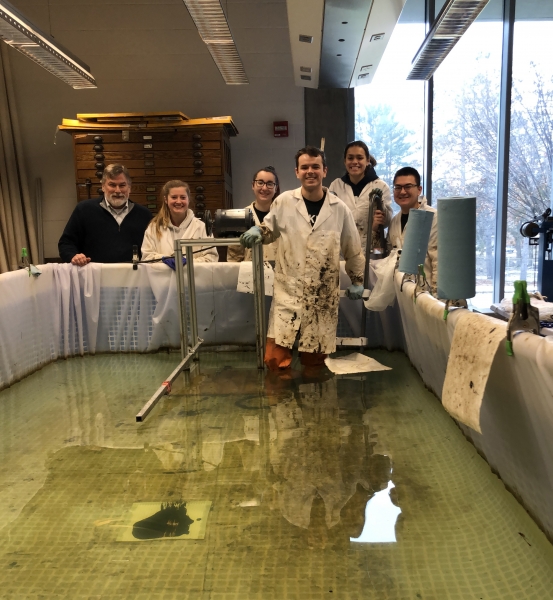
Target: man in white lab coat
407,195
314,227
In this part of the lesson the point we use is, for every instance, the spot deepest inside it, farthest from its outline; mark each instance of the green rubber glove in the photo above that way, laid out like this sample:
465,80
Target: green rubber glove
250,237
355,292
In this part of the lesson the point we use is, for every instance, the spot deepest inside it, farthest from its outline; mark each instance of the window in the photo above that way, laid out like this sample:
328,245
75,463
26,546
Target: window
390,118
466,112
389,112
531,152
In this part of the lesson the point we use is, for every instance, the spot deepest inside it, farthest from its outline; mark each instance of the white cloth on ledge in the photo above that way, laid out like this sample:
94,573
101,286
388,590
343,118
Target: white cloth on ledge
475,342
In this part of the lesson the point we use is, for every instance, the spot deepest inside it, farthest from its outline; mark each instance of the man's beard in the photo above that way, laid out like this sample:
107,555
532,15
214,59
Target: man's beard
117,202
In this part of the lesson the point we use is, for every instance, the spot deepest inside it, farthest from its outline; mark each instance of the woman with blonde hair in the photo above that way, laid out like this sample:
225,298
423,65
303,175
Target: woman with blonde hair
175,221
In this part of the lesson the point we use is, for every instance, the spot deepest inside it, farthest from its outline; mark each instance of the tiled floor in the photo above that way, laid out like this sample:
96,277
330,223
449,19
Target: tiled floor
295,469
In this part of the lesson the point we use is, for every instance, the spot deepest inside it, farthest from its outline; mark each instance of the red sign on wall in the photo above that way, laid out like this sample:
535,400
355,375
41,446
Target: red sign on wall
280,128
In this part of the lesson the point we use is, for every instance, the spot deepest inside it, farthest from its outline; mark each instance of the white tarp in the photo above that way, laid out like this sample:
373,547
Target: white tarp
476,340
516,415
29,323
70,311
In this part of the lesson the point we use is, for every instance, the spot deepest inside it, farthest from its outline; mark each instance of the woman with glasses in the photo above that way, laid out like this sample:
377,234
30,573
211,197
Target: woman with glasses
355,187
265,189
173,222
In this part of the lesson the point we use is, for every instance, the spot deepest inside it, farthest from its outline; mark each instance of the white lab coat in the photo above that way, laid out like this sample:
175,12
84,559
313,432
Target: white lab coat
359,205
239,253
396,237
307,286
191,228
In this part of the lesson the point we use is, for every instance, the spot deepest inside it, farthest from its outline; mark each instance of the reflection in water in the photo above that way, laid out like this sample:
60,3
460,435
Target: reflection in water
322,464
293,472
171,520
303,442
380,518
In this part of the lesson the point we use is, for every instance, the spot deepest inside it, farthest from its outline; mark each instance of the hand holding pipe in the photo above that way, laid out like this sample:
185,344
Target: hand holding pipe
250,237
355,292
376,197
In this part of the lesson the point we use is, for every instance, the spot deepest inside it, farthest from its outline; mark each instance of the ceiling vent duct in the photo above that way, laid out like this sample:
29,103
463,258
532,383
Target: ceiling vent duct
305,25
211,22
348,36
454,19
19,33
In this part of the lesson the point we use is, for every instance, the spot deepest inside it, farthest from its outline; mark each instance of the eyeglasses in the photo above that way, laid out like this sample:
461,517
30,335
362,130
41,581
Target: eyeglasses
270,185
407,188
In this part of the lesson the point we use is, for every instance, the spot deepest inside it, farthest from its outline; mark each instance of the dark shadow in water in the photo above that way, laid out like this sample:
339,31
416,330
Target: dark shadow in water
171,520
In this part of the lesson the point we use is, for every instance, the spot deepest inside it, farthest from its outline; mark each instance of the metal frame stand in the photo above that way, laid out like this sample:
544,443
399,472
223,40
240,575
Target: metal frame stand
259,302
189,319
368,250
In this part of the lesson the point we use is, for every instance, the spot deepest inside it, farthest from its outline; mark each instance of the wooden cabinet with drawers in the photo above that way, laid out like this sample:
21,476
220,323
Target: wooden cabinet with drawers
196,153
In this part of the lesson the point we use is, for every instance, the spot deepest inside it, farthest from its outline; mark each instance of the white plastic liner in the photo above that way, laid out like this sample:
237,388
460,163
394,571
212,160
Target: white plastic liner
516,415
69,311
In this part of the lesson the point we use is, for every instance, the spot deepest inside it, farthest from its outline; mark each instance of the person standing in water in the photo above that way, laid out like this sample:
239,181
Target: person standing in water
313,228
265,188
355,186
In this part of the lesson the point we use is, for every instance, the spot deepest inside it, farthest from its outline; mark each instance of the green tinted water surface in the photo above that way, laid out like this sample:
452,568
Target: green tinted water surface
321,487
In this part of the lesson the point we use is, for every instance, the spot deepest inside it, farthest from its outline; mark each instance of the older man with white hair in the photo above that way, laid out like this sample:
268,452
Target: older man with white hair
105,229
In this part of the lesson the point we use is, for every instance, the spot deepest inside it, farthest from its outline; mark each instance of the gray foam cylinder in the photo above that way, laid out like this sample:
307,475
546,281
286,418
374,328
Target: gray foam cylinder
415,243
456,248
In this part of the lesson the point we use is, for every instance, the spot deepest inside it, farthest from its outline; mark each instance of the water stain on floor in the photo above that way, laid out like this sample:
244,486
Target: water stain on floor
320,486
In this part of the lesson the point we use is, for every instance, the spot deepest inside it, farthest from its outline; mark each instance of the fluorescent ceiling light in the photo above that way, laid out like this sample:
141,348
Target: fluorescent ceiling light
212,24
19,33
454,19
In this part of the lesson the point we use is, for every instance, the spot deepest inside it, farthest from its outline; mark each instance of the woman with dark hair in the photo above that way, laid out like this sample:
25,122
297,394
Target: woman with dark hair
265,188
175,221
355,187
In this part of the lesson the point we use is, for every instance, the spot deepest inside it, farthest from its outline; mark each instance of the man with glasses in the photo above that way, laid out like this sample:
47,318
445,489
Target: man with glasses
105,229
407,195
312,226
